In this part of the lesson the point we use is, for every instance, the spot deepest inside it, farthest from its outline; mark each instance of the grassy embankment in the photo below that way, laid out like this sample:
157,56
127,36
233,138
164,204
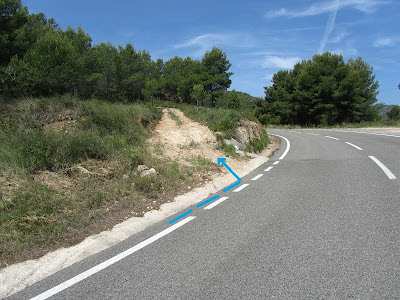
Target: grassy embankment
68,169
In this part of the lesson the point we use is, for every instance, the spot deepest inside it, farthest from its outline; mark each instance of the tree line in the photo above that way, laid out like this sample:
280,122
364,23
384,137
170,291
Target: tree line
324,90
40,59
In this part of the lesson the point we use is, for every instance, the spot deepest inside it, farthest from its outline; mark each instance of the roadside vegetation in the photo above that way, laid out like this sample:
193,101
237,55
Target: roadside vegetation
69,167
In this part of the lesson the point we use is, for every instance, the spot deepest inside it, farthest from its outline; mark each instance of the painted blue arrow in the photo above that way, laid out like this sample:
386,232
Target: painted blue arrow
221,160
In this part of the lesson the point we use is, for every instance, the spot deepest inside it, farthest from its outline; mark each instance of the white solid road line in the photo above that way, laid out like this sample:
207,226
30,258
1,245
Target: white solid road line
358,148
241,187
275,163
268,169
258,176
388,173
331,137
66,284
287,146
215,203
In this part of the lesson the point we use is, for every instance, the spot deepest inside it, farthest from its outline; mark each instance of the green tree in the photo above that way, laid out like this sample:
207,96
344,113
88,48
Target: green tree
151,89
48,68
322,91
394,113
215,75
13,17
105,75
234,100
198,94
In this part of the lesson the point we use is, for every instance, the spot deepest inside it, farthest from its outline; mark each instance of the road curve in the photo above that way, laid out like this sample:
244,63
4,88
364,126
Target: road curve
319,220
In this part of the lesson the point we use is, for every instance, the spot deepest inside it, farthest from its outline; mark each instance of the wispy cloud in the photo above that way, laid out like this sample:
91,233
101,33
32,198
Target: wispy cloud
339,37
386,42
280,62
347,51
366,6
205,42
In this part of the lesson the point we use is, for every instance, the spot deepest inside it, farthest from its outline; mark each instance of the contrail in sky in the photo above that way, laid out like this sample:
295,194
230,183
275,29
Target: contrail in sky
328,30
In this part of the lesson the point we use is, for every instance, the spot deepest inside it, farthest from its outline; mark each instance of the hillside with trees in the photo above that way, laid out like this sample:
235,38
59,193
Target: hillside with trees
40,59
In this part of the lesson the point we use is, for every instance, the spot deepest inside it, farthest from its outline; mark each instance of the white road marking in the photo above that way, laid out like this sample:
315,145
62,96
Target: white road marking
312,133
287,146
388,173
215,203
268,169
241,187
331,137
358,148
82,276
258,176
277,162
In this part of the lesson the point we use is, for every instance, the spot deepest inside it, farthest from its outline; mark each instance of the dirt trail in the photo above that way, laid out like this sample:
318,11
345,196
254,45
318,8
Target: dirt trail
184,140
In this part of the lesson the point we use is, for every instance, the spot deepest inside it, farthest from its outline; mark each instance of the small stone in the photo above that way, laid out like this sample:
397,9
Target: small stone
125,176
142,168
144,173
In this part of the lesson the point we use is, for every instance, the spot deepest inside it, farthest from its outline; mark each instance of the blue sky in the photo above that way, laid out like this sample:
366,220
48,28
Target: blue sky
259,37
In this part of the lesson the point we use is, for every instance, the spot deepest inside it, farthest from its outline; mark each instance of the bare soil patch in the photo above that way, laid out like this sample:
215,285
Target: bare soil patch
187,141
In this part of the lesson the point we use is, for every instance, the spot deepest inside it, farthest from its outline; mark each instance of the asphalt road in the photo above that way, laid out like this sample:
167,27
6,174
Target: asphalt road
322,223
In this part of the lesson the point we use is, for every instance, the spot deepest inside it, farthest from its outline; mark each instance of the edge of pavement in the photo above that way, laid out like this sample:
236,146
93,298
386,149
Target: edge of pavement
17,277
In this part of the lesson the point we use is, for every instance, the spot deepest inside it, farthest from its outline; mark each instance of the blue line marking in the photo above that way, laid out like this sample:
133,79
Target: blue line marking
208,200
181,216
230,170
232,186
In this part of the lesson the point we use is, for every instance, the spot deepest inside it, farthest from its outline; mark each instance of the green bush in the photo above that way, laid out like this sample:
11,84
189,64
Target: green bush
257,145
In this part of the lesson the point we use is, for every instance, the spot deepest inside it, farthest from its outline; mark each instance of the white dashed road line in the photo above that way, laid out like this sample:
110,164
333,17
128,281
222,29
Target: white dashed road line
388,173
216,203
241,187
358,148
258,176
268,169
331,137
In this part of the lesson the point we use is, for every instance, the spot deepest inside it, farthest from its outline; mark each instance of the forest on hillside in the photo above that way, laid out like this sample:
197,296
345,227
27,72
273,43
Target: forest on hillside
40,59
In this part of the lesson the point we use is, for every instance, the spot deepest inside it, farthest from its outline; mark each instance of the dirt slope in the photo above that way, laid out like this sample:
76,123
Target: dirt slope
183,140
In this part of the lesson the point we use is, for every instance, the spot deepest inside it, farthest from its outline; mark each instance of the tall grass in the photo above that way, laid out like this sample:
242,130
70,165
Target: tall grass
218,119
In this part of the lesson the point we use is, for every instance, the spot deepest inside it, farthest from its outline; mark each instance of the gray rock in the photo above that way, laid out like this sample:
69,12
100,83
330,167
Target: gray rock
236,144
142,168
149,172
